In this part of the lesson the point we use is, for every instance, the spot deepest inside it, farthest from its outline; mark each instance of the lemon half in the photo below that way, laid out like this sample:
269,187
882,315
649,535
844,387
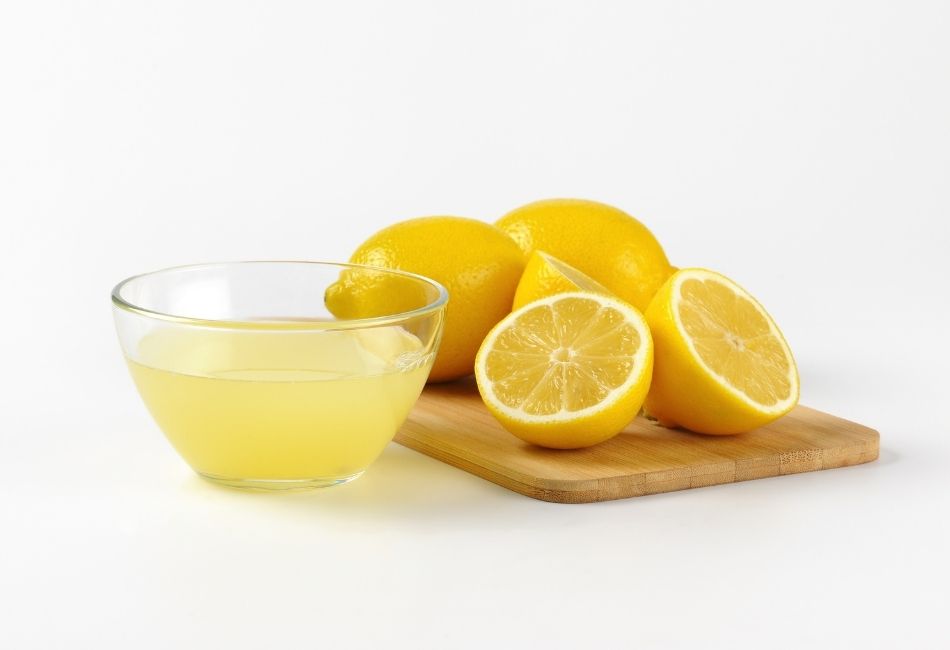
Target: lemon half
722,364
566,371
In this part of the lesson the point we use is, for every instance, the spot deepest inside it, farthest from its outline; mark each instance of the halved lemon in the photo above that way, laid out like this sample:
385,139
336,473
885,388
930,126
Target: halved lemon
545,275
566,371
722,365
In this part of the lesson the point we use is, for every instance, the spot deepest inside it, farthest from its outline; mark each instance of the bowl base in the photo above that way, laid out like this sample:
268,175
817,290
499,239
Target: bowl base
279,485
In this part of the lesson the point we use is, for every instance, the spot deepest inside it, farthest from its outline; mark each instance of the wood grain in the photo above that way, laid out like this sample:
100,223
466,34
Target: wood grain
450,423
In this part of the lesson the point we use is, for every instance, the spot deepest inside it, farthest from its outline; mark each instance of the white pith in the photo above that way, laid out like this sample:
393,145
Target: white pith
675,298
639,360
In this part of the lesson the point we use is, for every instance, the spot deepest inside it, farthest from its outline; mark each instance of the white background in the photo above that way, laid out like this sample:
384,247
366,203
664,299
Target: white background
802,148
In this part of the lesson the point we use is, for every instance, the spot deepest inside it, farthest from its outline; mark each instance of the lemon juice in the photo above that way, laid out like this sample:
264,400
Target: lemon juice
257,407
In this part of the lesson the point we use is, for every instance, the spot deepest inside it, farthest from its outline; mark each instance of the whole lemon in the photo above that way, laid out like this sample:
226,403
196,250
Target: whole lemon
478,264
605,243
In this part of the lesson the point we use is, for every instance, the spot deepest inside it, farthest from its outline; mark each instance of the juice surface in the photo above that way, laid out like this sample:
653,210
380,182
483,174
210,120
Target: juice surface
288,405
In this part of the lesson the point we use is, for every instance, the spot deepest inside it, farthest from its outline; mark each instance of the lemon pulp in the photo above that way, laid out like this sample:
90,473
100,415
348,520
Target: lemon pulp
566,371
722,364
736,340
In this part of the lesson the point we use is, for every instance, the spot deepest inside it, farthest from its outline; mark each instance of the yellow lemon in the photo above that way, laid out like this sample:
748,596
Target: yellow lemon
566,371
605,243
546,275
722,365
366,292
478,264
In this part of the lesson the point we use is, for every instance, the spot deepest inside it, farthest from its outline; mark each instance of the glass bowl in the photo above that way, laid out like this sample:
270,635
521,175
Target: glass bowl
279,375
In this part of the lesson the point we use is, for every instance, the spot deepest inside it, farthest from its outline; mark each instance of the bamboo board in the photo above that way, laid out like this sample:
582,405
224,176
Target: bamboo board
450,423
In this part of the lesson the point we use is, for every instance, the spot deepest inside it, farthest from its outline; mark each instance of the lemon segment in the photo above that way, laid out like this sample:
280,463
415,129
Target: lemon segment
545,275
722,364
566,371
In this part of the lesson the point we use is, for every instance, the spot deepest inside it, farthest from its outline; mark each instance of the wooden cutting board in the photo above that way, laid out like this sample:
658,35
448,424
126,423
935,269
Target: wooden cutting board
450,423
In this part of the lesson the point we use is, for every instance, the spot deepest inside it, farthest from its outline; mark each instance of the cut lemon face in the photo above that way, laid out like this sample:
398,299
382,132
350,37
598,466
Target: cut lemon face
545,276
566,371
722,365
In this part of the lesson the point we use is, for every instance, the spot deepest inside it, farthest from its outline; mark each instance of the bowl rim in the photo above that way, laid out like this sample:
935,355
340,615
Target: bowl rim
436,305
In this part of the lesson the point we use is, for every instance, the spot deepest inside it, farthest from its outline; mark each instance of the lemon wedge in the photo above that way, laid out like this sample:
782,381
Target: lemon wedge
545,275
566,371
722,364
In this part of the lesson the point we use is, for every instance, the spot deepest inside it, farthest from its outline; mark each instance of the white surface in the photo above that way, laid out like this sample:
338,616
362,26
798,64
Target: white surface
802,150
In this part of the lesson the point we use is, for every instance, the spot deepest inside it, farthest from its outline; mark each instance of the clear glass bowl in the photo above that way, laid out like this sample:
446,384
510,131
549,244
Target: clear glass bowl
279,375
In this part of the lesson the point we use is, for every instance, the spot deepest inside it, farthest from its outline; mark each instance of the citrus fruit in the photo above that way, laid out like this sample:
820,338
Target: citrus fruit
545,275
367,292
722,365
605,243
478,264
566,371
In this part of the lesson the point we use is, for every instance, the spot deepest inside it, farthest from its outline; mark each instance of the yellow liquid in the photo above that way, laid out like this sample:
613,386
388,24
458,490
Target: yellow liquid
246,406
